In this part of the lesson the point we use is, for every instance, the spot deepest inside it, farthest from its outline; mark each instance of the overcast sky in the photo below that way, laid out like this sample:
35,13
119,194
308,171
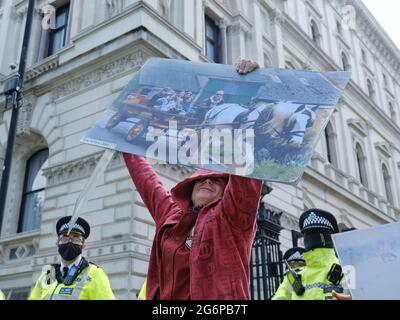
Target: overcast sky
387,12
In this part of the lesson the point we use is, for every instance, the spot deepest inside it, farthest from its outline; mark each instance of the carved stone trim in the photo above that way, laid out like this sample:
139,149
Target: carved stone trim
25,116
375,36
114,7
44,66
83,167
120,65
384,148
277,17
358,126
289,222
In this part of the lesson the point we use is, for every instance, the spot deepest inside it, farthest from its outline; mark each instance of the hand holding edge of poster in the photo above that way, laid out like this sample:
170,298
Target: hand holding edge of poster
263,125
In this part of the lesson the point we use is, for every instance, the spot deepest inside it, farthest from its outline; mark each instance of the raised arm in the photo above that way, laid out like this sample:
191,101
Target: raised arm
155,196
240,201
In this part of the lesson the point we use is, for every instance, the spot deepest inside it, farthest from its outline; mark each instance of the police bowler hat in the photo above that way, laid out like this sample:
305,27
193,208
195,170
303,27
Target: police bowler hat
81,226
317,220
294,255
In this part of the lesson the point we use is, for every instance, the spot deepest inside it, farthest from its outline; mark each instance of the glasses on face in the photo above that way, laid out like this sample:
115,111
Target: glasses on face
71,238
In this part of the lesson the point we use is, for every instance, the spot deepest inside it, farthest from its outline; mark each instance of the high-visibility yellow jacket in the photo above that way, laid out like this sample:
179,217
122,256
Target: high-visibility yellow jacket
2,296
91,284
313,277
142,293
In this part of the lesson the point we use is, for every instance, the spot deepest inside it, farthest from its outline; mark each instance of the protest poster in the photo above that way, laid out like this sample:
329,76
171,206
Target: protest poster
370,260
263,125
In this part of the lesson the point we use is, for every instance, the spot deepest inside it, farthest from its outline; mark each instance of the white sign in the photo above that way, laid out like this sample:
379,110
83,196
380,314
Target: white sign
374,256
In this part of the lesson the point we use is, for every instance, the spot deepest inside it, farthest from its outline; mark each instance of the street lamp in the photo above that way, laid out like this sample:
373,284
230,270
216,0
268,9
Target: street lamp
13,87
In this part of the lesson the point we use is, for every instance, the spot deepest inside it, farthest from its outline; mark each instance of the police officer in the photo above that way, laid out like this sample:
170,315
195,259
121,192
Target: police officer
2,296
142,293
322,273
75,278
294,258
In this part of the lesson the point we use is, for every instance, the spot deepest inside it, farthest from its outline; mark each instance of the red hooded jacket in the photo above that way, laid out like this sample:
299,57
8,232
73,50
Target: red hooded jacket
217,265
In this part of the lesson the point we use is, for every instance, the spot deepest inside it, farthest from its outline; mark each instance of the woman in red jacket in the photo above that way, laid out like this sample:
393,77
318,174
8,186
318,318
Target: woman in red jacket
204,231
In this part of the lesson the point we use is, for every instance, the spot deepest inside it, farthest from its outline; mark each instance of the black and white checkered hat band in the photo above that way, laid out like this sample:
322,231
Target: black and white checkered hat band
65,226
314,221
296,257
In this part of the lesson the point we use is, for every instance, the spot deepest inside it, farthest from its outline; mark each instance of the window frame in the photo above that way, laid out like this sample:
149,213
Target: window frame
216,42
50,48
362,165
26,193
345,62
330,144
387,183
315,33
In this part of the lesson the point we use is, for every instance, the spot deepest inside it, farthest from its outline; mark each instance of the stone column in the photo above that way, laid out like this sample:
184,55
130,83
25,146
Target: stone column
222,31
70,19
76,11
88,14
257,34
394,170
199,25
374,163
345,145
188,21
277,20
6,25
237,42
34,44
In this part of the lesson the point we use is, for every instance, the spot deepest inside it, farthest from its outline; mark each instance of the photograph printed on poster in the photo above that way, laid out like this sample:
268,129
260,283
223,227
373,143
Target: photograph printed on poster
263,125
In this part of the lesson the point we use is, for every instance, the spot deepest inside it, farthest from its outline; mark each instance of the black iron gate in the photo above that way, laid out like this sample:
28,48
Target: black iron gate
266,268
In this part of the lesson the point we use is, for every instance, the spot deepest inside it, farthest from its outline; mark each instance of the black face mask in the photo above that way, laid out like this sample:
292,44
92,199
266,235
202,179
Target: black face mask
69,251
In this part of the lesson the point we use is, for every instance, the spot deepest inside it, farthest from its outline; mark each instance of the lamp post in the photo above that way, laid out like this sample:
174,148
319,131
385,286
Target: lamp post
14,89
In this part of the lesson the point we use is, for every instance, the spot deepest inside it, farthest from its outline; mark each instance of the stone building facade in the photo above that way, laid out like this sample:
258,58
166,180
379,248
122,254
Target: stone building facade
78,68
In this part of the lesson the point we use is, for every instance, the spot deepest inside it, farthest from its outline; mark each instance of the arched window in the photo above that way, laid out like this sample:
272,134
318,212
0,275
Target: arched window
385,82
392,112
361,163
387,181
371,91
316,36
345,62
267,61
289,65
330,144
33,192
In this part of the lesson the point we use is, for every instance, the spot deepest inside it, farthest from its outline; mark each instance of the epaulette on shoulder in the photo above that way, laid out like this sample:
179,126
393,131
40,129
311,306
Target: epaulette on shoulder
90,262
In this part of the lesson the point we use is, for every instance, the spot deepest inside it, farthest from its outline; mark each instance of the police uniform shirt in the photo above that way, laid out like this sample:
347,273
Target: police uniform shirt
76,263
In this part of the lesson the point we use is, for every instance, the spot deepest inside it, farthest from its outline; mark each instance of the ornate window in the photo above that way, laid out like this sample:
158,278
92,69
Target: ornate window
362,165
371,90
345,62
316,36
289,65
387,182
212,40
33,192
55,37
392,112
58,36
339,27
330,144
385,81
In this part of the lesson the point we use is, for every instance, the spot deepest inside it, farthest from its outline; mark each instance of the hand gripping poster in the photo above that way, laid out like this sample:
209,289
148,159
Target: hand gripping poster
263,125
